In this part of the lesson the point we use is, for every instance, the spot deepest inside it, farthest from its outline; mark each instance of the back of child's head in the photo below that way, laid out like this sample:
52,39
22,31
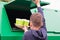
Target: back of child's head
36,19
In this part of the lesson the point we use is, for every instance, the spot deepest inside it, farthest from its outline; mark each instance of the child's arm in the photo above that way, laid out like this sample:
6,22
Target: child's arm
25,29
37,2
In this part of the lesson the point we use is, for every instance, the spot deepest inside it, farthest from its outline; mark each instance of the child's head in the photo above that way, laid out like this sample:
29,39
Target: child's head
36,20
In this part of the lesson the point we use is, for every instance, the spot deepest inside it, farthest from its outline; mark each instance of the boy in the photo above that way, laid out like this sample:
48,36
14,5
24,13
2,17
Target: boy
35,25
39,32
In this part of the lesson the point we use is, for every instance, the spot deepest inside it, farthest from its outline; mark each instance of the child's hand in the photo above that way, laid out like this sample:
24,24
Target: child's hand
36,1
18,26
25,28
22,27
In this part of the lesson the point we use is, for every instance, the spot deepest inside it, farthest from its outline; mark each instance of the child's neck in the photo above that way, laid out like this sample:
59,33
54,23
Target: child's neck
36,28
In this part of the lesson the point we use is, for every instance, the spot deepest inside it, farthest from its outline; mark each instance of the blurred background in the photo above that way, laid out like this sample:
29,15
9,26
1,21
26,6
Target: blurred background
12,9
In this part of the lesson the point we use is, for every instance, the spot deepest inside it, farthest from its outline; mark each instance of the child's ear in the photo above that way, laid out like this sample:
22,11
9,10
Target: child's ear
30,24
41,23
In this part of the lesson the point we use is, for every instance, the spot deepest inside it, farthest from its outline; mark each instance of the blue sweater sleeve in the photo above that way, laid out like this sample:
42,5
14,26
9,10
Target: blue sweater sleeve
26,37
40,10
43,29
